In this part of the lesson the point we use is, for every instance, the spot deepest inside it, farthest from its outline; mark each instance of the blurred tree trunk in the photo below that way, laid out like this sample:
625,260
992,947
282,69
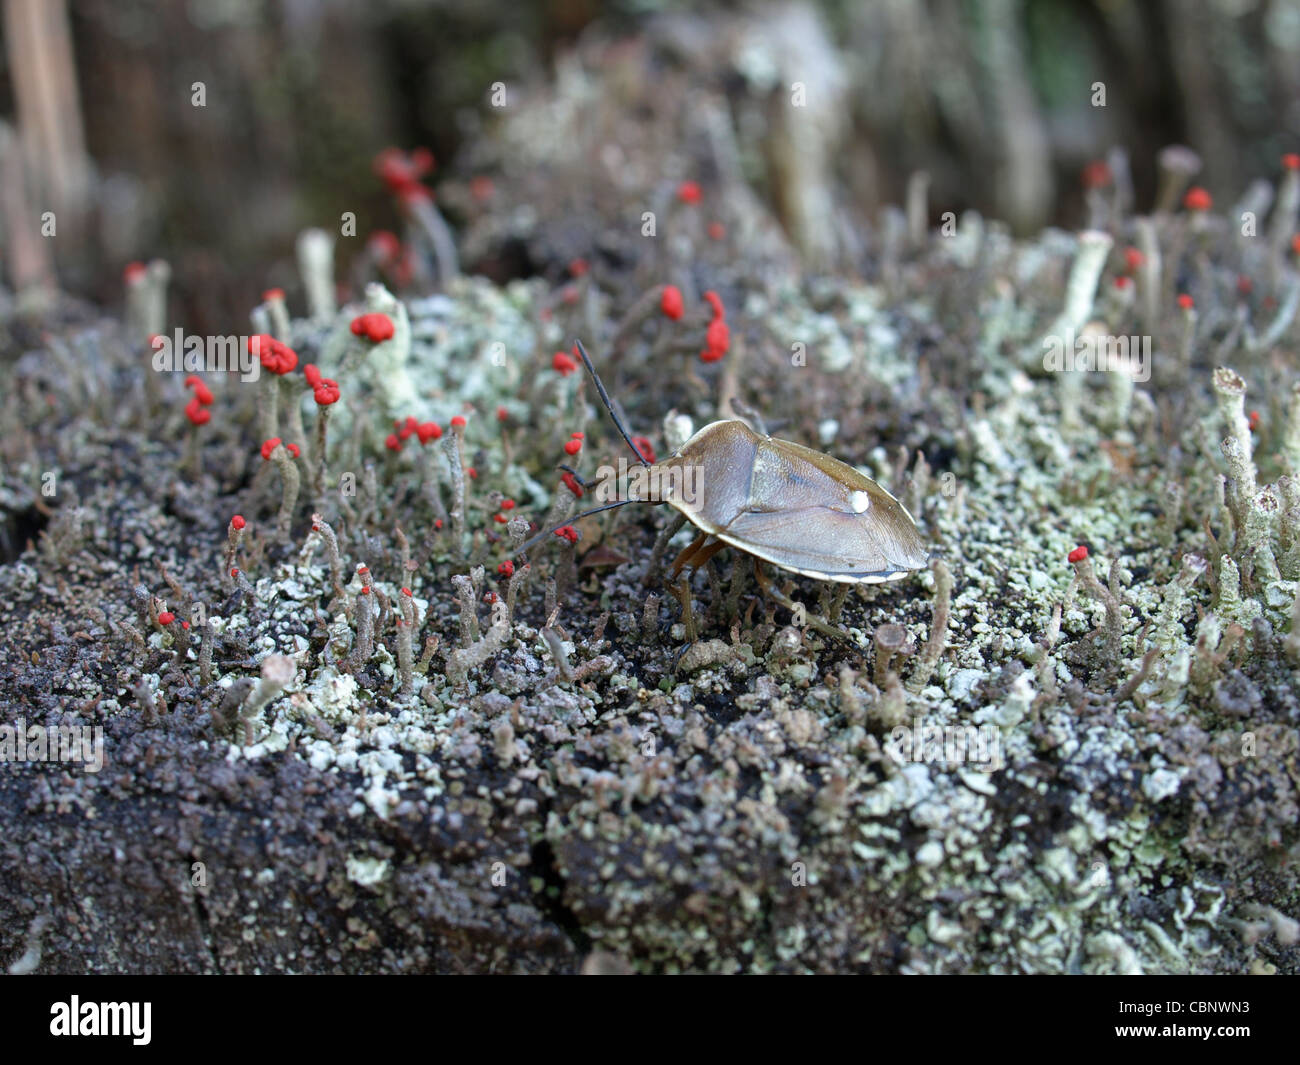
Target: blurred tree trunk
44,77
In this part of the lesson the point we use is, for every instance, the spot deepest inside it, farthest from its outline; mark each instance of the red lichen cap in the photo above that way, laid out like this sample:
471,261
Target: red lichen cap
1078,554
422,161
1291,161
562,363
374,326
717,340
572,447
568,533
414,194
506,569
1185,301
326,392
392,443
671,302
571,483
384,245
400,171
312,374
197,414
134,273
715,301
427,431
1133,258
201,391
458,422
269,445
237,522
275,357
1197,199
644,447
166,617
1096,175
689,192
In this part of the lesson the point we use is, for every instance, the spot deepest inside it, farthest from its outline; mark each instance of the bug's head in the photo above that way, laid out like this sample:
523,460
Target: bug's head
630,482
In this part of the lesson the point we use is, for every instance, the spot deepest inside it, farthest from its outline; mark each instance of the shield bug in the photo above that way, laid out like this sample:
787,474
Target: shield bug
781,502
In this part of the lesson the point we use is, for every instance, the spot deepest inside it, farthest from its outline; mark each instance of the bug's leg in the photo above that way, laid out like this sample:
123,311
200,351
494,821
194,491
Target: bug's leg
661,545
687,555
707,552
680,584
697,555
813,621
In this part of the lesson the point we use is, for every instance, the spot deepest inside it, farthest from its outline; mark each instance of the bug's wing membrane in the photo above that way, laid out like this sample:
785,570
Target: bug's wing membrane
829,544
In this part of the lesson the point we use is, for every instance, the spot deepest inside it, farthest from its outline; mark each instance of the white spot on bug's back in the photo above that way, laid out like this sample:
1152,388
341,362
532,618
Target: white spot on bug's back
859,501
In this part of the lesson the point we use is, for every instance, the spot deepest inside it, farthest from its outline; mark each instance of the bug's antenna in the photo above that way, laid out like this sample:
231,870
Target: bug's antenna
609,406
569,521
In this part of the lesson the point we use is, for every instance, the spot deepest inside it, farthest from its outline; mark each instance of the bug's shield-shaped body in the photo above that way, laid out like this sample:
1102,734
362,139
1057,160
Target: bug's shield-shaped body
795,507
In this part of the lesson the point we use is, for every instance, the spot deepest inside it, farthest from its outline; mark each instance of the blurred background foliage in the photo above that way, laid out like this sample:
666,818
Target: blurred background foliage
994,99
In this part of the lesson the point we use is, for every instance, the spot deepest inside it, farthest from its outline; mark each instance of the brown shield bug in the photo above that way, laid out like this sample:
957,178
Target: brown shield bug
776,500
